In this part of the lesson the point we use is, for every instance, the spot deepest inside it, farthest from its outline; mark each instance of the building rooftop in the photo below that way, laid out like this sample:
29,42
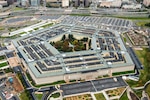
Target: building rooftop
107,51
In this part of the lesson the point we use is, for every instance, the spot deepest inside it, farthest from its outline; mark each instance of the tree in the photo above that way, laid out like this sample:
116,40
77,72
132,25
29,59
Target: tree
90,43
71,38
84,39
58,45
48,4
75,42
65,46
63,38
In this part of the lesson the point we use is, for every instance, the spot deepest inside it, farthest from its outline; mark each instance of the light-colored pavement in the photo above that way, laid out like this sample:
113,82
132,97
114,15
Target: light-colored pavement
105,95
93,97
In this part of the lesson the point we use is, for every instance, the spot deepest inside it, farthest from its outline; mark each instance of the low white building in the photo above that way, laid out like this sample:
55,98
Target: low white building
111,3
146,2
65,3
3,3
136,6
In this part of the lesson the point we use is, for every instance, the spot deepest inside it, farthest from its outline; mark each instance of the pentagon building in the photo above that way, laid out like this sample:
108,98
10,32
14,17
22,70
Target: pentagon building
46,64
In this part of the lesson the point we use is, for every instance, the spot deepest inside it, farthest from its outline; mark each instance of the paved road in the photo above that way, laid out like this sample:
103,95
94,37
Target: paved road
135,59
28,85
92,86
1,95
47,91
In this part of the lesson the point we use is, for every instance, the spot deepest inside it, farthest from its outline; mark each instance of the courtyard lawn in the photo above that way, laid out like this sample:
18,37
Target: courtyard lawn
99,96
3,64
2,57
124,96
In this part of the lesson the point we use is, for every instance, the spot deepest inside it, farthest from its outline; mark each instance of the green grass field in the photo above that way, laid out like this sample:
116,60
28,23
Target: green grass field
143,23
148,90
99,96
39,96
2,28
47,25
138,93
80,14
2,57
55,95
144,57
24,96
18,8
134,18
121,73
124,96
3,64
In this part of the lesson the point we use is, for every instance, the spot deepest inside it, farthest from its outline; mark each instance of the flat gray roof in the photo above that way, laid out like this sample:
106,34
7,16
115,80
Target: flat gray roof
44,60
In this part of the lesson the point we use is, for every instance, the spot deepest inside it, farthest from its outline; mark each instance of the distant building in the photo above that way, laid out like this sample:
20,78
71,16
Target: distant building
1,6
65,3
24,2
137,6
86,3
116,3
3,3
10,1
125,1
34,2
77,3
146,2
51,0
111,3
54,3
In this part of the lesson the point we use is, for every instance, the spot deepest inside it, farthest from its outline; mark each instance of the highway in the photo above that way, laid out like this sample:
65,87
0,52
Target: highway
98,11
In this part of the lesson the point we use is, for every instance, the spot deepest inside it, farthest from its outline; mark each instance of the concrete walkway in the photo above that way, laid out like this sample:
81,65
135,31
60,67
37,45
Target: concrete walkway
93,96
105,95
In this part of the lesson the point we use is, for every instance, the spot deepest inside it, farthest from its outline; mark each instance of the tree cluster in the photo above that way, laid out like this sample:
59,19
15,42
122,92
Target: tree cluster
69,44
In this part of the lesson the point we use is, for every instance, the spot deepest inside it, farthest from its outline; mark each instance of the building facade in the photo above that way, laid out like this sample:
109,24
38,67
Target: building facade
65,3
77,3
146,2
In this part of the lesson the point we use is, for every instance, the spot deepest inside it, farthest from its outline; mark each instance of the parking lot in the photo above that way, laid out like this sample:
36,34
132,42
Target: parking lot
17,19
92,86
117,24
48,17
